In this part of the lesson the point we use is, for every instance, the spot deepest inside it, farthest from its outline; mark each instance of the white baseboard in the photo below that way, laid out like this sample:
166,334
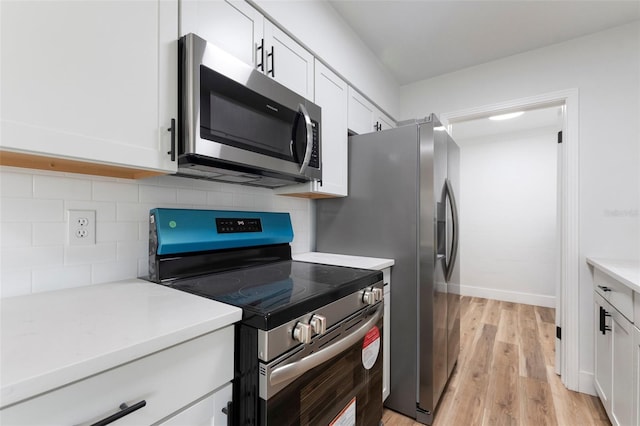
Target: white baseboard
586,383
509,296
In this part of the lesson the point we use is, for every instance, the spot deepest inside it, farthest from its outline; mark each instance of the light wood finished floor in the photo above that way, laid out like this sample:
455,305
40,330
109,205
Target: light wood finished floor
505,373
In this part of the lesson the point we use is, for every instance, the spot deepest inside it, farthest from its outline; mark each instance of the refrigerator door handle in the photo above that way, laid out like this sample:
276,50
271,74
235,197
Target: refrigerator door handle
456,232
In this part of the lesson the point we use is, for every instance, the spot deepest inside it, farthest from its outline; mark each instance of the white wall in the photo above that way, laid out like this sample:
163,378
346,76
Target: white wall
605,68
318,26
33,207
507,204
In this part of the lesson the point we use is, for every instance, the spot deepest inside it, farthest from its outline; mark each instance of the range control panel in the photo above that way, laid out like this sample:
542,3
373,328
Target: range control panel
233,225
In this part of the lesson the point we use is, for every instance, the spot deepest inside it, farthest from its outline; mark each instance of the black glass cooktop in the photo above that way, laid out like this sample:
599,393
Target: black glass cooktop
275,293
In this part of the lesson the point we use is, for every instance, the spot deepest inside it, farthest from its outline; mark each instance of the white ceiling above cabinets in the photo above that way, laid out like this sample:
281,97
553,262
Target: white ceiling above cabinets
420,39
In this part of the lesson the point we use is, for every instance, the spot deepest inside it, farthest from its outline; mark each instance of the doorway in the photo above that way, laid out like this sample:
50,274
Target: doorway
567,287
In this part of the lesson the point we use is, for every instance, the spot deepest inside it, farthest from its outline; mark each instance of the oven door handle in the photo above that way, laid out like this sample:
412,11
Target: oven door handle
288,373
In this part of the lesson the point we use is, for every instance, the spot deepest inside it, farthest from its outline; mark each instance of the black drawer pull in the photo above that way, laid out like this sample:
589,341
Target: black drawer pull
604,288
603,315
125,410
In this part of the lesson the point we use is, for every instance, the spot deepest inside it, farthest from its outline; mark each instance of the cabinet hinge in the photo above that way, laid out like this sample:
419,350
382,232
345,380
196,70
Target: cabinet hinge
558,333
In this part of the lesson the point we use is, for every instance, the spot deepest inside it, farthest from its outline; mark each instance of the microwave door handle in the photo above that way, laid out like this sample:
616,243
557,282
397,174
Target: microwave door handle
288,373
309,146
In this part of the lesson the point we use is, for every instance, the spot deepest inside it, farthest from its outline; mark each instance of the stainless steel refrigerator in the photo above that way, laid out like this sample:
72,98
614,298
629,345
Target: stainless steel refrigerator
403,184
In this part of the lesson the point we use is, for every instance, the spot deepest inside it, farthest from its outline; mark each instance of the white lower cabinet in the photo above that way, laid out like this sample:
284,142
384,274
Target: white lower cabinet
167,381
622,379
210,411
603,353
636,371
614,349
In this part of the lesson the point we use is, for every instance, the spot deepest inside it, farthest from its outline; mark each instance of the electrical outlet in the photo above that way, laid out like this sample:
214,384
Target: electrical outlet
81,225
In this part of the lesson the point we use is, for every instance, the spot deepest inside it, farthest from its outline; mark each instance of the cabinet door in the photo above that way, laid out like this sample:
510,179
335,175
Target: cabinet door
167,381
234,26
383,121
636,373
361,113
331,96
622,395
91,81
208,412
603,353
287,62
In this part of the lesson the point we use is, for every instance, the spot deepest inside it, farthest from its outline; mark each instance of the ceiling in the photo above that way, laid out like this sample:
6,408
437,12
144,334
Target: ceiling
420,39
478,130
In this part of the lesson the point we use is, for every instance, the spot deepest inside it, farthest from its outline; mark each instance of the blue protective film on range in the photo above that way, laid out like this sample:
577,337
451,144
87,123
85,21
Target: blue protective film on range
188,231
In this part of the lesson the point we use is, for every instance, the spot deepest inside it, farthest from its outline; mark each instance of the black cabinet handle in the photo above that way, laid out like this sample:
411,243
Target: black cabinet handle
125,410
603,315
261,49
604,288
272,71
172,129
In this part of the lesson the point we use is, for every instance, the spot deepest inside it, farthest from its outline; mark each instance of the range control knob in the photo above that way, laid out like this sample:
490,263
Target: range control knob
378,293
318,324
302,332
369,297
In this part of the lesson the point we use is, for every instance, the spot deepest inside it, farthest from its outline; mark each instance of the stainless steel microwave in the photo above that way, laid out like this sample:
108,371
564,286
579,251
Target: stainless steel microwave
238,125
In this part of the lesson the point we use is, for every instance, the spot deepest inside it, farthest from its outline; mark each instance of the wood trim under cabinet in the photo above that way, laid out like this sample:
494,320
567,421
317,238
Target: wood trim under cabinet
15,159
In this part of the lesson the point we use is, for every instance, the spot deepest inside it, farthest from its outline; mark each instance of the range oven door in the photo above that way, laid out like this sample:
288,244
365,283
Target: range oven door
336,379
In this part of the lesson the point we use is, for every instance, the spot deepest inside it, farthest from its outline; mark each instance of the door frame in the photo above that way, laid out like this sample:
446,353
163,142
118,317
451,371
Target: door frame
569,304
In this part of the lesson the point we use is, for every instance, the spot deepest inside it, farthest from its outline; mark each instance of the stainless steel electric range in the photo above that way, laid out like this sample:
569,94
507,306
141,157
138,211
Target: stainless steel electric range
308,347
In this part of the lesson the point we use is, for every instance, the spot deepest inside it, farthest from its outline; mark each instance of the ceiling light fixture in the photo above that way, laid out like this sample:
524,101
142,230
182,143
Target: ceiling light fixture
506,116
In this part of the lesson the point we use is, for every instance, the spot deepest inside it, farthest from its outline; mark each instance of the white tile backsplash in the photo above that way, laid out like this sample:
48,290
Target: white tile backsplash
15,234
31,257
49,234
59,278
114,271
16,185
30,210
117,231
115,191
15,282
90,253
191,196
157,194
53,187
35,256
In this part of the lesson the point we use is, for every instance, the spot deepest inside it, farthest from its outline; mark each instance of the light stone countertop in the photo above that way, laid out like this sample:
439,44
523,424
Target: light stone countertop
345,260
625,271
54,338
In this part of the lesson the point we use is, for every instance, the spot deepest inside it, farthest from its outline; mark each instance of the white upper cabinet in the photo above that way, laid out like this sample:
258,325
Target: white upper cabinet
91,81
288,62
233,26
383,121
331,96
364,117
238,28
